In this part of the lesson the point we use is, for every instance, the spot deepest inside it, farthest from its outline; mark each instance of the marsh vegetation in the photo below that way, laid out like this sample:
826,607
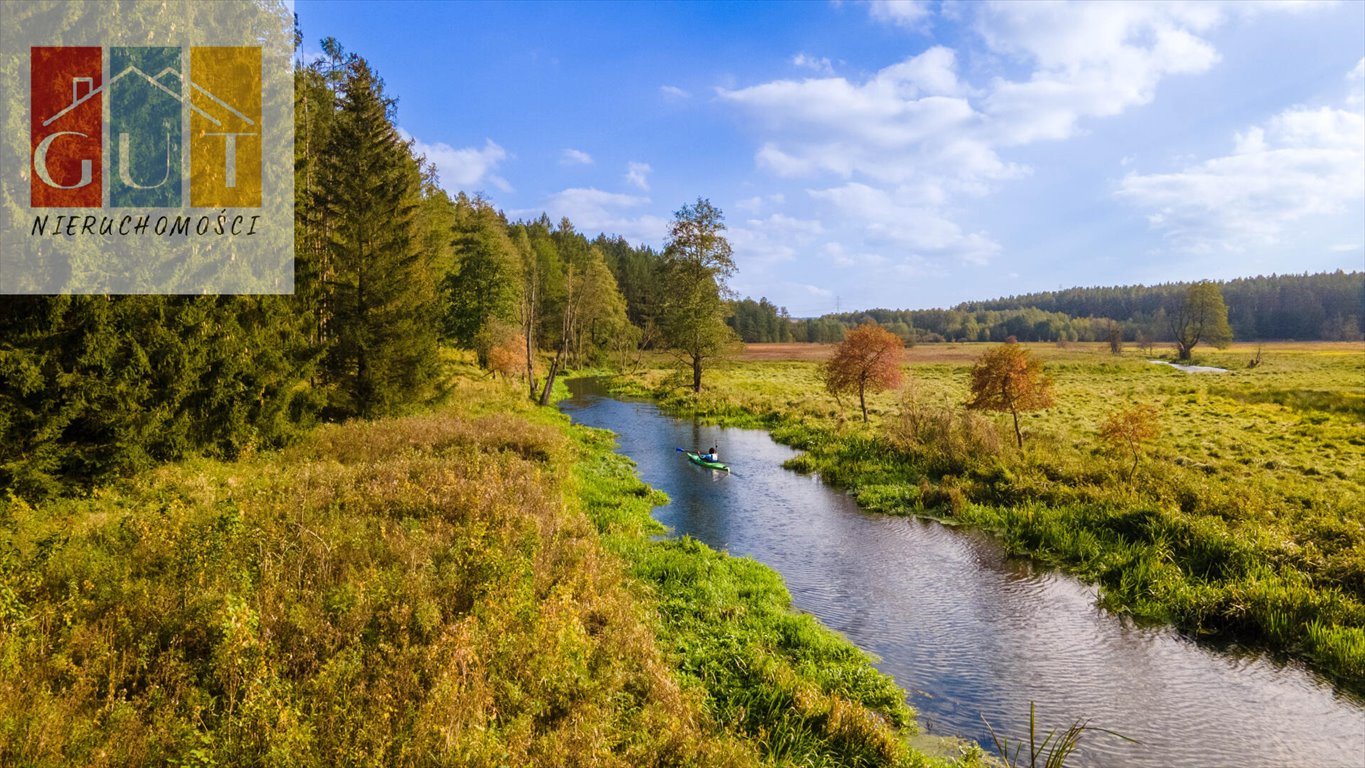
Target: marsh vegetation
1241,520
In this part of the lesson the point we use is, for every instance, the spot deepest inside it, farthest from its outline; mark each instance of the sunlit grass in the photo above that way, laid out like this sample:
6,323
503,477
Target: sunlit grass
424,590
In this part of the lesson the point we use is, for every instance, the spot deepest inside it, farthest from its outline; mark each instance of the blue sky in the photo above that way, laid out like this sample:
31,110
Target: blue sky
901,154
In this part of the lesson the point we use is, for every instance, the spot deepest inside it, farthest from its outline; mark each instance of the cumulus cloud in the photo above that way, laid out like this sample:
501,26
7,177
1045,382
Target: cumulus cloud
908,14
466,168
1092,60
1301,163
637,175
593,210
1355,97
819,65
753,205
1085,61
910,119
772,240
674,93
907,143
575,157
902,222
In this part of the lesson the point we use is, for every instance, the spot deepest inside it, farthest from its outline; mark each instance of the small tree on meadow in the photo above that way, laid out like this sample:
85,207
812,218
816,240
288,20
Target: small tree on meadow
867,358
1114,334
1128,429
1200,315
1009,379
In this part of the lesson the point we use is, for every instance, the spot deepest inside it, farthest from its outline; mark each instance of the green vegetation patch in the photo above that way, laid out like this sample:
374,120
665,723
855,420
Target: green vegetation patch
805,695
1241,518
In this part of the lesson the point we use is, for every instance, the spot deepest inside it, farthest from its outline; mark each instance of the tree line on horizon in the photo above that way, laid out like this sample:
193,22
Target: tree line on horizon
1328,306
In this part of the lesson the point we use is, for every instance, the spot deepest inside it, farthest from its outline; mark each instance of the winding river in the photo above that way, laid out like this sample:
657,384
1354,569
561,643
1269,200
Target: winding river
971,633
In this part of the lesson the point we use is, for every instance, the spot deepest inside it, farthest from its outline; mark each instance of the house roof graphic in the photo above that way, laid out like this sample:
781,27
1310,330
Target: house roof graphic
76,101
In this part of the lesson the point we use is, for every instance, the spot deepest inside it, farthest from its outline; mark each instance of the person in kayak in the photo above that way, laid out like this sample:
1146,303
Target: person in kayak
711,455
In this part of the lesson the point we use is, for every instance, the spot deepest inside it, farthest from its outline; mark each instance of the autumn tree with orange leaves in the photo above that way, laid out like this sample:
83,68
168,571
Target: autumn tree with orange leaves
1008,379
1128,429
868,358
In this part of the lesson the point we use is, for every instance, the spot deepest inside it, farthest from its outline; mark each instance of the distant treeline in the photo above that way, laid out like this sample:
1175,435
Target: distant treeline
1329,306
1321,307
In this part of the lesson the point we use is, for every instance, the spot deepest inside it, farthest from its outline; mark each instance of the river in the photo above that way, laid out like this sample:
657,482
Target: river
970,632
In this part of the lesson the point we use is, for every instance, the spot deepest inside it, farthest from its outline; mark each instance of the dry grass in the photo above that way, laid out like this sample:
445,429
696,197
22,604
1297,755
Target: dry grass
419,591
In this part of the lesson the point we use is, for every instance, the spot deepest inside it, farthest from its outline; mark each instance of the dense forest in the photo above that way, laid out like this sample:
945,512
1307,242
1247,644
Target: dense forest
1320,307
1326,306
388,267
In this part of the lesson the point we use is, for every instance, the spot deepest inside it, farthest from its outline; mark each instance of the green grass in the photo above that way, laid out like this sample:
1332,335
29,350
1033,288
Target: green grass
1243,520
474,585
774,676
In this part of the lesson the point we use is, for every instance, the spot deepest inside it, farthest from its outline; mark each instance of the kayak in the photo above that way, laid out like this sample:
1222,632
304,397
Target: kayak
699,461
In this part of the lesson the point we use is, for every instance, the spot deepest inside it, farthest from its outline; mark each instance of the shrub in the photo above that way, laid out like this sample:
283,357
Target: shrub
950,439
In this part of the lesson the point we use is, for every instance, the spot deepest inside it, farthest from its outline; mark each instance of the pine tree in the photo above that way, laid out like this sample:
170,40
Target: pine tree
485,289
381,344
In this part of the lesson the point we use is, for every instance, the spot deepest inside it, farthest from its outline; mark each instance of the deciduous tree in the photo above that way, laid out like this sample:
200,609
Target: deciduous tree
1009,379
696,262
868,358
1129,428
1200,315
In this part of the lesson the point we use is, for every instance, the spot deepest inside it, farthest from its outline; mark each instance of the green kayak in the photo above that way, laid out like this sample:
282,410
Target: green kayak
699,461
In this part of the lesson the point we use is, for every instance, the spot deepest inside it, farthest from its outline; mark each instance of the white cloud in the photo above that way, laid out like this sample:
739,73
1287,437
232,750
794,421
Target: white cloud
909,14
908,142
753,205
903,222
674,93
840,256
819,65
1091,60
1355,97
1302,163
575,157
910,120
760,244
637,175
465,168
593,210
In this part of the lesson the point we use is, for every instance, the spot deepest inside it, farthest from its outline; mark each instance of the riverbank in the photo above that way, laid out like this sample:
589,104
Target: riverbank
1242,522
475,585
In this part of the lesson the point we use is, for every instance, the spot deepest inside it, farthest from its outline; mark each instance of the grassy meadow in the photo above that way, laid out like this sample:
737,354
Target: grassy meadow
1244,519
475,584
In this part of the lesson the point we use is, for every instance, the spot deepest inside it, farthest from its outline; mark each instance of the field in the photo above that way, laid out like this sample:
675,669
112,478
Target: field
1243,519
475,584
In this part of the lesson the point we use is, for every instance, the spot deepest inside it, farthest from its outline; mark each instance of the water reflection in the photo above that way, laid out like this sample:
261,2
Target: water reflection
969,632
